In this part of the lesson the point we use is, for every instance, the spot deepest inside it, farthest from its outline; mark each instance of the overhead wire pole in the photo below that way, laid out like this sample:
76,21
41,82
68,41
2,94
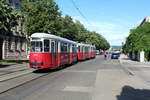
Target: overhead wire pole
77,8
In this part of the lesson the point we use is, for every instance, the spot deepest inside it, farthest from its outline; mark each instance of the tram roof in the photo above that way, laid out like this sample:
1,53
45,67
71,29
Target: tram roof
88,45
50,36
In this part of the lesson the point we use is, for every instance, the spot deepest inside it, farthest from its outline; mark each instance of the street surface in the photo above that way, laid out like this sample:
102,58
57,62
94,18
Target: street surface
139,69
95,79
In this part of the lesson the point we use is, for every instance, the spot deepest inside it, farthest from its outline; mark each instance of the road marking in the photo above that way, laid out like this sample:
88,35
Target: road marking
78,89
79,71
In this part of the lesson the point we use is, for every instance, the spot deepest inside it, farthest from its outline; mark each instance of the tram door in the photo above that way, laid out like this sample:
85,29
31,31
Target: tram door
54,51
70,54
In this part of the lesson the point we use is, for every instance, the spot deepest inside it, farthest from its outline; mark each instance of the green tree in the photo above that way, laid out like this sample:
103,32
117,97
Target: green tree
69,28
76,31
8,18
42,16
138,40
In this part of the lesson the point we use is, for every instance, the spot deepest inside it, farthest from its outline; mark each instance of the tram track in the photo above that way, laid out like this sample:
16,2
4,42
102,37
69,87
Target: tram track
19,81
14,74
9,68
12,71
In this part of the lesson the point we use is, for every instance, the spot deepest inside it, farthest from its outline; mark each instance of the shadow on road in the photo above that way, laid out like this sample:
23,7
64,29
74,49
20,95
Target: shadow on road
42,71
126,58
4,66
51,70
129,93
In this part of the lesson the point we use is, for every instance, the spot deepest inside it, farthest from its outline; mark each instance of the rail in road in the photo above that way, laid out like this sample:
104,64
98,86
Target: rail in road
19,78
15,74
10,73
5,72
13,67
14,77
22,76
14,82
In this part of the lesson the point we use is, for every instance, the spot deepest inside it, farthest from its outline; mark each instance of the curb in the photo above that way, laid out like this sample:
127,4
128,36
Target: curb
126,69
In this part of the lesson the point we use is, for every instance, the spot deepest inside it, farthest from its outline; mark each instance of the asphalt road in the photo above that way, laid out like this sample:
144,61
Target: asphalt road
88,80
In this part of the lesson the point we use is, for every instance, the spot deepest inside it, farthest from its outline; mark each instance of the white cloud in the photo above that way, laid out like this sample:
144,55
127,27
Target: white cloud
102,27
115,33
115,37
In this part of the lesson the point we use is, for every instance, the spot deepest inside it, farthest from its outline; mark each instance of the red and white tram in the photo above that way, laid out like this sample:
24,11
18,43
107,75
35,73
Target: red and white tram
50,51
85,51
93,51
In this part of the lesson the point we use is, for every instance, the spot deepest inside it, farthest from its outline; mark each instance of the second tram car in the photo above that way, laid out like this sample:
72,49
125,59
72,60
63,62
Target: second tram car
50,51
85,51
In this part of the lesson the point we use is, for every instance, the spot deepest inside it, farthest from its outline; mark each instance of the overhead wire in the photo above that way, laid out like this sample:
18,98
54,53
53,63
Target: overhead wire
78,9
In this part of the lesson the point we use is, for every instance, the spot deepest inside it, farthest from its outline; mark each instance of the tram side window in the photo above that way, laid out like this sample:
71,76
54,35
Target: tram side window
46,46
36,46
64,47
52,47
86,49
79,48
74,49
83,49
69,47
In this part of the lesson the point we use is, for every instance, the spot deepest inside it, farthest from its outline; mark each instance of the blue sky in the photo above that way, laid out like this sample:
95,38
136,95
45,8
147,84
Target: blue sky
111,18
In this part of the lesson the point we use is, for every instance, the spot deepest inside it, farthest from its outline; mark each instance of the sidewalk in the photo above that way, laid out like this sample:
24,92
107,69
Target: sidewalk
119,85
124,59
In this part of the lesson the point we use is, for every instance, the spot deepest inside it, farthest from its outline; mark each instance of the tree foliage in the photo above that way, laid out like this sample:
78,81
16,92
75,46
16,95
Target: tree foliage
139,39
44,16
8,18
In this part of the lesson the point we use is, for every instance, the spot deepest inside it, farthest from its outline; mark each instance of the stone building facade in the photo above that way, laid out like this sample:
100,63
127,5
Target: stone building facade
13,46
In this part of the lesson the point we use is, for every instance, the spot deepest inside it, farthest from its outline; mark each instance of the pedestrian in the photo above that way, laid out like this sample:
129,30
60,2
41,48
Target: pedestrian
105,55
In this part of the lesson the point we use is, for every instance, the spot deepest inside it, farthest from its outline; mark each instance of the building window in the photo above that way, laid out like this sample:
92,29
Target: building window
11,44
22,46
17,45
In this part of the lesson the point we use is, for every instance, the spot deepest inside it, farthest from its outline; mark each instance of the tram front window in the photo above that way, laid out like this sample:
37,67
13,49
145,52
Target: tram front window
36,46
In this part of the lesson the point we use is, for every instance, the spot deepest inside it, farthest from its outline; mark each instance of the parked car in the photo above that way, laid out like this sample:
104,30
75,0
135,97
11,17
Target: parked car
97,52
115,55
